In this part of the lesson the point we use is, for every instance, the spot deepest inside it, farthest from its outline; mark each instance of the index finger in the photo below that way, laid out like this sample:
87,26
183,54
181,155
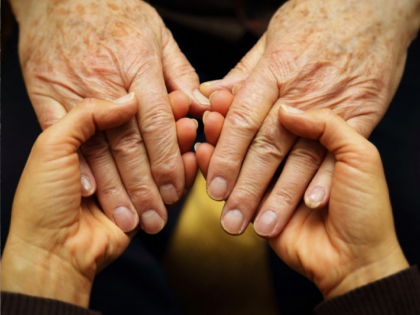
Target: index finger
250,106
157,126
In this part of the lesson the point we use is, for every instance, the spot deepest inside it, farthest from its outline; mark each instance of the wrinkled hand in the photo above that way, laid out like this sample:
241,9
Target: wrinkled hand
344,55
351,242
59,241
71,50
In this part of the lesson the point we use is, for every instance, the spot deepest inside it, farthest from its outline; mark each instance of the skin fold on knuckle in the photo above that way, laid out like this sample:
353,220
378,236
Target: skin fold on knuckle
127,145
96,147
308,153
242,119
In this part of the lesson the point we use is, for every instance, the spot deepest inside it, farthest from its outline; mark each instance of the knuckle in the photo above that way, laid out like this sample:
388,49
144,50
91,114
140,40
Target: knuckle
225,164
165,168
141,194
157,121
109,189
96,147
309,153
283,196
241,118
127,145
267,144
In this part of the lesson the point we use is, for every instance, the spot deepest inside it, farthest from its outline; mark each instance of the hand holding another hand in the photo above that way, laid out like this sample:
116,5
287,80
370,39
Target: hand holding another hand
347,56
350,242
59,240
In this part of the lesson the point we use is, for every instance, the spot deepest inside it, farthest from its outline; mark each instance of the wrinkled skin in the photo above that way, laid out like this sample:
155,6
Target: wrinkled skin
348,56
58,240
352,241
71,50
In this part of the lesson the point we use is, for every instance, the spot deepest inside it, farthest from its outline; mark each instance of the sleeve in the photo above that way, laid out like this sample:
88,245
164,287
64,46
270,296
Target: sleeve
14,304
396,294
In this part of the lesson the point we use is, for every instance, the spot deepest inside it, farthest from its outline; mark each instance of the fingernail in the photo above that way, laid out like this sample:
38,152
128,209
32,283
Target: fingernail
315,197
205,114
86,186
235,87
211,95
232,222
125,219
125,99
292,110
200,97
196,122
151,222
217,189
196,146
266,223
169,194
210,82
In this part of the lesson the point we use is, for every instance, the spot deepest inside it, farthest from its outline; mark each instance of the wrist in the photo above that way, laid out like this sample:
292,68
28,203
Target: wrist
372,272
29,270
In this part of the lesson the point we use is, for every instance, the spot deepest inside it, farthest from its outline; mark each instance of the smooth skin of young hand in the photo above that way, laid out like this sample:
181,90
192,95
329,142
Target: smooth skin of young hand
352,241
59,240
72,50
348,56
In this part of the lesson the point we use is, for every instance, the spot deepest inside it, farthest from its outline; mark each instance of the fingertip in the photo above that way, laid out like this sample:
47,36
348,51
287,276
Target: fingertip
204,152
213,124
180,103
191,167
220,101
186,129
206,87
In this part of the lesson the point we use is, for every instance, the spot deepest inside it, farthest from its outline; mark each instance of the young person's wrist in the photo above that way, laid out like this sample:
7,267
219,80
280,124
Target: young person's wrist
365,274
29,270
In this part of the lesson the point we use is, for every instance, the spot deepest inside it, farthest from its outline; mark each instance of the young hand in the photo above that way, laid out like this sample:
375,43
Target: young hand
58,240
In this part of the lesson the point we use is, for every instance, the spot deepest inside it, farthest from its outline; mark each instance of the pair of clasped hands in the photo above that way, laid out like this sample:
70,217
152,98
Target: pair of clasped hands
59,240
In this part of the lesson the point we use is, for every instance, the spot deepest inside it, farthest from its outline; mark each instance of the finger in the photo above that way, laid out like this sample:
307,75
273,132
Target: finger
266,152
130,156
180,75
186,130
180,103
213,124
190,165
90,115
204,152
301,165
133,167
157,127
319,190
77,127
220,101
318,193
238,74
49,111
333,132
110,191
86,177
246,114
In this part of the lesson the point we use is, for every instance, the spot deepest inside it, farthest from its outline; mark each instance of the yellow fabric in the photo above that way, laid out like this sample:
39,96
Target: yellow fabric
212,272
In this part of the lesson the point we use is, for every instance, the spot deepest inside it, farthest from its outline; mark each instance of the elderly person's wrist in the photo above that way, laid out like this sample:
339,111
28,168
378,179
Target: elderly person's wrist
30,270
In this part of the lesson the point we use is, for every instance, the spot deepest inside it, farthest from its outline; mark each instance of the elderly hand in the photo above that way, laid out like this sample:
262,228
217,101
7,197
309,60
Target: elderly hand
344,55
71,50
59,241
352,241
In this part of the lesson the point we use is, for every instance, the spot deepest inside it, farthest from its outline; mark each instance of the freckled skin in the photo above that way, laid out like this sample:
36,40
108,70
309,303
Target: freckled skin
324,57
87,48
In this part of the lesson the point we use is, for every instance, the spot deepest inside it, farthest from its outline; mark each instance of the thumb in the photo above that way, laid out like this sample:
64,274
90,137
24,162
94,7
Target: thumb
180,75
238,74
70,132
334,133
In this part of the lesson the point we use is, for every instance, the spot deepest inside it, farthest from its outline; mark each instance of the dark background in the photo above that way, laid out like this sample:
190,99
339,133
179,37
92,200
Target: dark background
136,282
